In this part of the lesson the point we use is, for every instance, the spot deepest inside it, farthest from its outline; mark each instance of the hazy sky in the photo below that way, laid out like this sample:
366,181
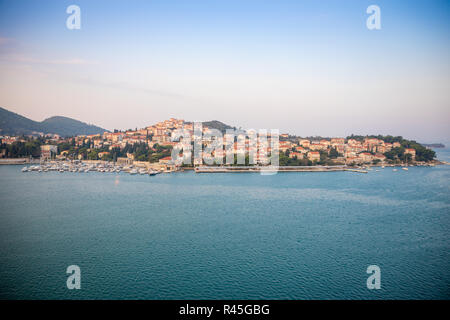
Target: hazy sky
304,67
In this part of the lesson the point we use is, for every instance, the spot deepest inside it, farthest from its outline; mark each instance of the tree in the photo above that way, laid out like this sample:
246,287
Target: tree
93,155
333,153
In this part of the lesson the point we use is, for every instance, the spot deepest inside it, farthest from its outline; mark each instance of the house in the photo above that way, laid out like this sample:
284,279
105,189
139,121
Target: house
102,154
301,149
297,155
412,152
314,156
284,147
336,141
48,150
350,154
380,157
161,138
340,148
318,146
353,160
381,148
305,143
124,161
366,157
166,160
388,146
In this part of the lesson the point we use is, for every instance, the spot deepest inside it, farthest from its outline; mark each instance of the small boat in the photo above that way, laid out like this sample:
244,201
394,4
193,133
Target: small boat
394,169
406,169
24,169
134,171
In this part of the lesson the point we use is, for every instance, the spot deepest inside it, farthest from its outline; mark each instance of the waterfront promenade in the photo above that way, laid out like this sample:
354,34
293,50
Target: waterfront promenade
226,169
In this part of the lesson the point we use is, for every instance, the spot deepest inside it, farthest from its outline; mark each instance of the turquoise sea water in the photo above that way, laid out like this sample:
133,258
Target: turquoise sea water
226,236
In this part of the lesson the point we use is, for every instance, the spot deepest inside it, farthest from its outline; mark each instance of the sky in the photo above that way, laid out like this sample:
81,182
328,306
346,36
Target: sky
303,67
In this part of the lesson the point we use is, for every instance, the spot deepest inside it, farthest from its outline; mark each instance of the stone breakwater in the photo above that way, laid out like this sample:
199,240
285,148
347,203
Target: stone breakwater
205,169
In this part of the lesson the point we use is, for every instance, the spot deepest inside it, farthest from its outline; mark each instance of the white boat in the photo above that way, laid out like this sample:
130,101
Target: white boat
394,169
406,169
24,169
134,171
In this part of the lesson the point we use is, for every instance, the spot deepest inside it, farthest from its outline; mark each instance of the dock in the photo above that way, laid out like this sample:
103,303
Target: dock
257,169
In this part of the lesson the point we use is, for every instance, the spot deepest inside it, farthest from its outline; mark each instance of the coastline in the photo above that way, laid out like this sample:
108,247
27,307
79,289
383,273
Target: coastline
16,161
152,169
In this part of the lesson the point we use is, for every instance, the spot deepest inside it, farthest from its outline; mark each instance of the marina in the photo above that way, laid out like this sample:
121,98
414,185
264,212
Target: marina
133,169
82,167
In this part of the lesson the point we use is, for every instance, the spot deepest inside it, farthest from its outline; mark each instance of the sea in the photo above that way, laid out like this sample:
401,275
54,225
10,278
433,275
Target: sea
186,235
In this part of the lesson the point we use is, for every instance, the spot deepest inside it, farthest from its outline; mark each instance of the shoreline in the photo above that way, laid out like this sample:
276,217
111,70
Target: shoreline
152,169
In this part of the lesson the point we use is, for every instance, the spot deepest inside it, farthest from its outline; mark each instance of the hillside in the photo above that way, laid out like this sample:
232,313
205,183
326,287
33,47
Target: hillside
214,124
14,124
70,127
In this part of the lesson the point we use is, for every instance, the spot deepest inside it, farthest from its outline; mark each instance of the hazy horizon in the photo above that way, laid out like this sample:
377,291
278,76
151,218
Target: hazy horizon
303,67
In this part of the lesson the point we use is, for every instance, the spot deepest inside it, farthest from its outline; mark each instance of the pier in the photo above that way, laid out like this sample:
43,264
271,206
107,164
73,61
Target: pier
228,169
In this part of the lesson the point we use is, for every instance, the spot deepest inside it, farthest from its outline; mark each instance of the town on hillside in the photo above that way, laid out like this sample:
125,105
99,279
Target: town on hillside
153,145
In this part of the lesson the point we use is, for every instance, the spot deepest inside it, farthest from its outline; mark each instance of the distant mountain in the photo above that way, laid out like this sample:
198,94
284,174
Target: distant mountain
70,127
433,145
14,124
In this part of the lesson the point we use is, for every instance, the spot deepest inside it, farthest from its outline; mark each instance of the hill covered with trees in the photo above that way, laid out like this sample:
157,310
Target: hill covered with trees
14,124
